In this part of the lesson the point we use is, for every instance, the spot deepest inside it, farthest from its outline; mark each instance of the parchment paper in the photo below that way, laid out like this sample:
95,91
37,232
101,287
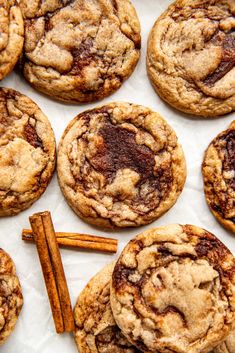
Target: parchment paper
34,332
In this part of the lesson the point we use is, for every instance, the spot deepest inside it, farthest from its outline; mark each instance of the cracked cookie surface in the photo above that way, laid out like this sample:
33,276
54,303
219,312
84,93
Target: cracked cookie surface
96,330
27,152
120,165
218,171
173,290
11,299
12,35
79,51
228,346
191,56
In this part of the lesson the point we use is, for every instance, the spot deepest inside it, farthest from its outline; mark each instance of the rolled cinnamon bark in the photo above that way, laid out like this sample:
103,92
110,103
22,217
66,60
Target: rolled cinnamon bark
45,260
53,271
80,241
59,274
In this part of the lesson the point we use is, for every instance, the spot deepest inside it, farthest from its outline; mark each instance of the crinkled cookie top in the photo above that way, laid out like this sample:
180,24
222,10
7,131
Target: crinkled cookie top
228,346
78,50
120,165
191,56
12,35
96,330
219,177
27,152
173,290
11,299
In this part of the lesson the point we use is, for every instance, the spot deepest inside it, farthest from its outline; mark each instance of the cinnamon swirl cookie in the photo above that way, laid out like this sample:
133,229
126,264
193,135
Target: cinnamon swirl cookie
27,152
11,35
173,290
96,330
79,51
191,56
120,165
218,171
228,346
11,299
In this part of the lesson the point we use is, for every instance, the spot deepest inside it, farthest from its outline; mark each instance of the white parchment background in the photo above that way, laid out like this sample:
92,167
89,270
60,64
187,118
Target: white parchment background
34,332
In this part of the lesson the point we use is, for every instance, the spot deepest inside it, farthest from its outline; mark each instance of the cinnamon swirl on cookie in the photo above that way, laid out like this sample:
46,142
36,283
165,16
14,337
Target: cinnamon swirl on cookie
191,56
79,51
11,35
11,299
120,165
96,331
173,290
27,152
218,171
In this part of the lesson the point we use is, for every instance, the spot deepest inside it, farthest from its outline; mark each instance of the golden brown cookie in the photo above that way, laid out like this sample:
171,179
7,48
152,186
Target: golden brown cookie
27,152
218,171
79,51
96,330
228,346
173,290
120,165
11,35
11,299
191,56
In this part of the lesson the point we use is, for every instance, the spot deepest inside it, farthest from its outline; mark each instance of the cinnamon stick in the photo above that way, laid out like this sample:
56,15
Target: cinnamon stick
44,256
80,241
61,282
52,267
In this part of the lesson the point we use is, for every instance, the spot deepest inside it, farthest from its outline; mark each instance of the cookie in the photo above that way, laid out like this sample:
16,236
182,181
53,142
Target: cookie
11,299
79,51
173,290
96,330
228,346
27,152
191,56
218,171
12,35
120,165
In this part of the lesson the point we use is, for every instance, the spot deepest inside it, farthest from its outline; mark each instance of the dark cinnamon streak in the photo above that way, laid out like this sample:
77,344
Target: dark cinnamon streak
111,338
82,56
47,24
119,150
32,137
226,143
211,248
229,162
205,246
227,42
121,275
